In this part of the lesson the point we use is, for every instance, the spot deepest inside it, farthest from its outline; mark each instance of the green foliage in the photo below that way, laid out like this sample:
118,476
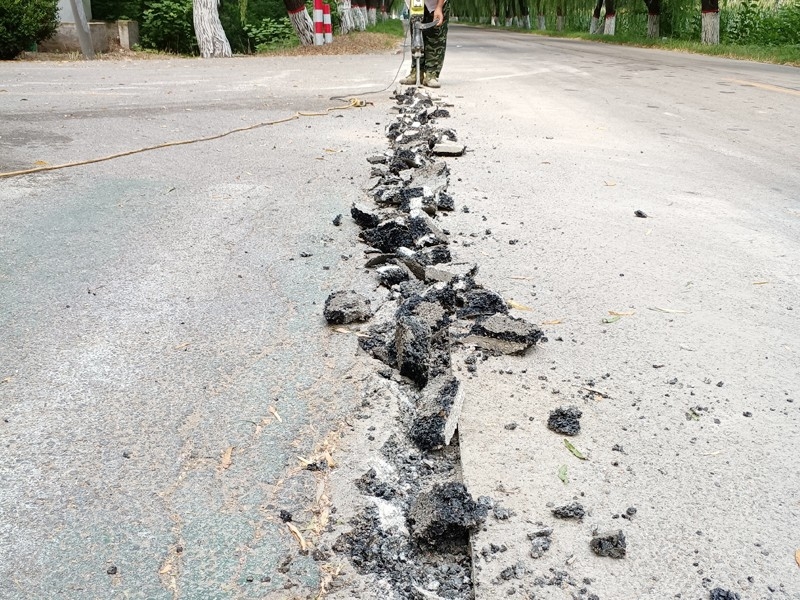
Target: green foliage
24,23
748,22
269,33
167,25
111,10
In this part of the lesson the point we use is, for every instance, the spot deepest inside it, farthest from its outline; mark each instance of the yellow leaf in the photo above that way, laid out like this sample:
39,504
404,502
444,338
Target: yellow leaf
760,282
518,306
610,183
275,414
41,163
614,313
553,322
298,536
797,557
227,458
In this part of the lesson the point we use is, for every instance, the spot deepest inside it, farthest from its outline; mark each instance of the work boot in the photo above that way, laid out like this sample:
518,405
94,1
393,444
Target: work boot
410,80
430,81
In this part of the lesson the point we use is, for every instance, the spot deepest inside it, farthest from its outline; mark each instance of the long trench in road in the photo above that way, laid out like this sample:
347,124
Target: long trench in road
412,531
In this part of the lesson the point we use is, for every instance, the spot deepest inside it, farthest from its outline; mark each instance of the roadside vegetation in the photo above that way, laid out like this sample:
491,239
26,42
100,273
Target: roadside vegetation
762,30
24,23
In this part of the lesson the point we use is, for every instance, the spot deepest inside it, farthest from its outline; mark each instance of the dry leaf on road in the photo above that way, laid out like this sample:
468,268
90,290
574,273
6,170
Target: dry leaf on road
227,458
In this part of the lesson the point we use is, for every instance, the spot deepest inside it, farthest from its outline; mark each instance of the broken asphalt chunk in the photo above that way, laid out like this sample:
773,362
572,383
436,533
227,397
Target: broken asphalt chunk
448,149
438,411
444,513
364,216
720,594
574,510
480,302
504,333
413,348
389,235
612,545
390,275
346,307
566,420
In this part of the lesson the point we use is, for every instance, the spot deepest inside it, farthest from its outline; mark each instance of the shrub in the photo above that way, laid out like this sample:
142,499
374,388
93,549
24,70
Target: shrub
168,25
24,23
270,33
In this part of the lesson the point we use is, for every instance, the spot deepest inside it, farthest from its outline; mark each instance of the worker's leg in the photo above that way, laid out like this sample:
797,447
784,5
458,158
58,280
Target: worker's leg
435,43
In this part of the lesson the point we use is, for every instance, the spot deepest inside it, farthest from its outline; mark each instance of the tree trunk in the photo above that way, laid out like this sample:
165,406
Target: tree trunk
302,23
560,23
611,18
710,32
526,21
211,38
372,16
345,17
611,24
541,22
653,26
594,26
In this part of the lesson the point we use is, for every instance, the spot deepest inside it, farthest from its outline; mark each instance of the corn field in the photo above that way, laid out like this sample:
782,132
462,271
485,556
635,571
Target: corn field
747,22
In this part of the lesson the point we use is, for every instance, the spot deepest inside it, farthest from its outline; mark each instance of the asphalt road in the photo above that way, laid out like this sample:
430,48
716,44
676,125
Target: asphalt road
156,308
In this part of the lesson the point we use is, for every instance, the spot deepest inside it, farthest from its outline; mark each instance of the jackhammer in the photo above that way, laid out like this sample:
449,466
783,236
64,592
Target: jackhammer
417,42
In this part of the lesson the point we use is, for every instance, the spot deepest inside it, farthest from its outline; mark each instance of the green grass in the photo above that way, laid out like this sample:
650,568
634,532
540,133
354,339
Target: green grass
389,26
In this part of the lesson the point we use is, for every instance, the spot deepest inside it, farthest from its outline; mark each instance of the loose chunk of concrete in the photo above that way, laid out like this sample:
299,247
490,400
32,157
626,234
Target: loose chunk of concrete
450,272
565,420
503,333
612,545
413,347
448,149
346,307
446,512
438,411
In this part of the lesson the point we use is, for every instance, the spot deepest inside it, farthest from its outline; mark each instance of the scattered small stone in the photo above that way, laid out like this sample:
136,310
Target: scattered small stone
565,420
612,545
574,510
285,516
305,254
641,214
720,384
720,594
747,413
337,220
112,570
540,540
510,426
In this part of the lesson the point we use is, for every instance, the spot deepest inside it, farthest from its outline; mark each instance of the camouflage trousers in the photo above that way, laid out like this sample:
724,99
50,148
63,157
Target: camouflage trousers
435,40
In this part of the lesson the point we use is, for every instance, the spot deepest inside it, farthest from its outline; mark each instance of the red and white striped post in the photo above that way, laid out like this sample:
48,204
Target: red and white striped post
319,35
327,23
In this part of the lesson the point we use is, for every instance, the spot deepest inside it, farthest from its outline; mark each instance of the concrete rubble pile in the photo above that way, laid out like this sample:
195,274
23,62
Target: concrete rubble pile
414,536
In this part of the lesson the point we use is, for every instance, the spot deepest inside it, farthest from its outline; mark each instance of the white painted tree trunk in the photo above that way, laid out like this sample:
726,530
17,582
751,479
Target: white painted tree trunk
611,25
509,21
527,21
541,22
303,26
372,16
560,23
710,34
653,26
594,26
211,39
360,17
494,21
345,17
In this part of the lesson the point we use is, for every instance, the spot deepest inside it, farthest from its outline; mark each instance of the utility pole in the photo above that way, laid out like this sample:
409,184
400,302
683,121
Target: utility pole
82,29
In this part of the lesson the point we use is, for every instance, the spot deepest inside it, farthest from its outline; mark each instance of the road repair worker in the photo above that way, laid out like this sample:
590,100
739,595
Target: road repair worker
435,39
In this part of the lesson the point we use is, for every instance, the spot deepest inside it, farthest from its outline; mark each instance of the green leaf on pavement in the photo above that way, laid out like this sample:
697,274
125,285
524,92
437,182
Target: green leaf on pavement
562,473
574,450
613,319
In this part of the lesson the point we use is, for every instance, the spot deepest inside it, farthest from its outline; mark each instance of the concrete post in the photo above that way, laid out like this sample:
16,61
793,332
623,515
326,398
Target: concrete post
82,29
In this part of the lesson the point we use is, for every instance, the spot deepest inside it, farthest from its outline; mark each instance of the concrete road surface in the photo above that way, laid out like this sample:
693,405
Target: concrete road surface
164,361
676,335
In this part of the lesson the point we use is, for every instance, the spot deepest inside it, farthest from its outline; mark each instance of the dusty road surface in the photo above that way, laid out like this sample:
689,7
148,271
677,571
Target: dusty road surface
164,361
